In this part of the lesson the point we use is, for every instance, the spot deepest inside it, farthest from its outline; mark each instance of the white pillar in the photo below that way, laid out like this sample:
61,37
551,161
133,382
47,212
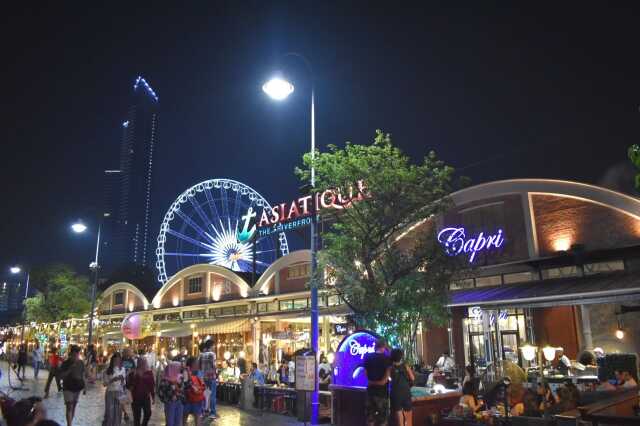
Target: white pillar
586,327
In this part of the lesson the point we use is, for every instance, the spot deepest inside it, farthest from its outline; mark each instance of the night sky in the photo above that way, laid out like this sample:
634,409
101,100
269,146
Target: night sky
498,92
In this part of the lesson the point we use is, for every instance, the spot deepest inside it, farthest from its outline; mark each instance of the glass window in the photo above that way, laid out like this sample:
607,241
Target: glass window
215,312
301,270
159,317
300,304
488,281
195,285
595,268
173,317
242,309
118,298
458,285
263,307
193,314
286,305
229,310
566,271
519,277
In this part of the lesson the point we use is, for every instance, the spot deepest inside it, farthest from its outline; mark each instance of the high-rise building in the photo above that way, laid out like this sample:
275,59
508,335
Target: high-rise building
128,190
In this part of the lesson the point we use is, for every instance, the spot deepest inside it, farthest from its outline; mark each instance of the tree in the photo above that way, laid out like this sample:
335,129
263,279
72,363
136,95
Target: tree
62,294
634,155
393,284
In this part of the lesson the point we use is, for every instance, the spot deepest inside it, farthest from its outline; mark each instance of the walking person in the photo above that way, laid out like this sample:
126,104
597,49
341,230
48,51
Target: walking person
54,367
207,361
194,391
37,357
72,375
114,380
143,392
171,393
377,367
402,379
22,361
92,362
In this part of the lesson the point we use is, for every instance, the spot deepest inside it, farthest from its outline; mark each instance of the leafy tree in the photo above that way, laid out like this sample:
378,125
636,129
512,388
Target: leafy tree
634,155
393,284
62,294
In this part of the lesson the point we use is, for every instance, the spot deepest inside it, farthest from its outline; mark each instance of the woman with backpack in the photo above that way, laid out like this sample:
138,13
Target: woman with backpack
143,392
194,391
401,380
114,380
171,393
72,375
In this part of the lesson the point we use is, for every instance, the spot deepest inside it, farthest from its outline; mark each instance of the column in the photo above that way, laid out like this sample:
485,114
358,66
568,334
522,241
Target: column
585,315
257,336
488,341
326,336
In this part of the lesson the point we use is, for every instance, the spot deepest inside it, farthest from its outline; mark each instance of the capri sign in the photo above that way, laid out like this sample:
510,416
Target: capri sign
457,241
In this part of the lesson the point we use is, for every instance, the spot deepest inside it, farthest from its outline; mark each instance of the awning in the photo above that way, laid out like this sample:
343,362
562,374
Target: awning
600,288
216,326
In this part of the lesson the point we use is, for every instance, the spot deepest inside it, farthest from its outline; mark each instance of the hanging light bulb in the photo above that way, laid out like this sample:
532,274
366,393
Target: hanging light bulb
619,332
549,353
529,352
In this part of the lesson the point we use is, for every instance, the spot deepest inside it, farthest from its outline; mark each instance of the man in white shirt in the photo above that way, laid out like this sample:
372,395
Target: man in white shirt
446,363
292,372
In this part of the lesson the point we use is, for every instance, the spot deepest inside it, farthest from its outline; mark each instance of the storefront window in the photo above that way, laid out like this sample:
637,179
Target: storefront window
242,309
459,285
488,281
194,314
300,304
173,317
229,310
286,305
160,317
595,268
567,271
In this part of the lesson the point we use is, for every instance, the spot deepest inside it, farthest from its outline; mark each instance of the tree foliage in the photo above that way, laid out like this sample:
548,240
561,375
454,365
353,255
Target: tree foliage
62,294
391,283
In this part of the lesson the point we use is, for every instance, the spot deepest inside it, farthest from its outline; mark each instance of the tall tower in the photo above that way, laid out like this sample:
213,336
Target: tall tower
132,242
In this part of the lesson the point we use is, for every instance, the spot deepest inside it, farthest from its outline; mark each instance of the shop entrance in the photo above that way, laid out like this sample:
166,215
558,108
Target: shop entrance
511,328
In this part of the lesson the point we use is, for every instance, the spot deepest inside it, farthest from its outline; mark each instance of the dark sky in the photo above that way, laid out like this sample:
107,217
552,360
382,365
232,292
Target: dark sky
502,92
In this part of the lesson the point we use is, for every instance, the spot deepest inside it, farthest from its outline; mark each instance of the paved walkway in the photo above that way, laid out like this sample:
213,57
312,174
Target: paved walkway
91,406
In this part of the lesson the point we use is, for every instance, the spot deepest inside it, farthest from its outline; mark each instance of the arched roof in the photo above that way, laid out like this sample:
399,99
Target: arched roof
126,286
199,269
290,259
562,188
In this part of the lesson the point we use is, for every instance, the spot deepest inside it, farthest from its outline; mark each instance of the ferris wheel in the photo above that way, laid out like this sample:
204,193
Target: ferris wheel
201,226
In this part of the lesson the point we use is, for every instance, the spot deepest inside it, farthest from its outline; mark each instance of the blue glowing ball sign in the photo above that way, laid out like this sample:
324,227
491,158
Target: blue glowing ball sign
349,358
455,242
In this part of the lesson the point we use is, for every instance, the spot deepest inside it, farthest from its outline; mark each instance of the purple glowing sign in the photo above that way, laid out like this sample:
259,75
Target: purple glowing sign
349,359
455,242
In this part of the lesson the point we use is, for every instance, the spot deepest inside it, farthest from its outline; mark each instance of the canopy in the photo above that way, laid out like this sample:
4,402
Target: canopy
600,288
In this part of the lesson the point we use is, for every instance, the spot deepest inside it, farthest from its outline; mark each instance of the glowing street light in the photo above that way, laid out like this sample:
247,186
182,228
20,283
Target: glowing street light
79,227
15,270
278,88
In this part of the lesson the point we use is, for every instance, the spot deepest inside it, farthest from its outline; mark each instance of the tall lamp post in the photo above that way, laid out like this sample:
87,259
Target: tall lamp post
80,228
16,270
279,89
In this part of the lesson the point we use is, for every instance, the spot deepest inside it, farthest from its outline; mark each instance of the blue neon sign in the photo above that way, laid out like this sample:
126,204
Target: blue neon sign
455,242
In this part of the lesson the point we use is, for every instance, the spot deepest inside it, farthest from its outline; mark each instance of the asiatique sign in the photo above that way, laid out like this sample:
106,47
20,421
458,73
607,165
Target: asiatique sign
297,213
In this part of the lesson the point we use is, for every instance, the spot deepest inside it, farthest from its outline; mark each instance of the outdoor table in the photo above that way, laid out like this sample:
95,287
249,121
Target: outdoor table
228,392
277,399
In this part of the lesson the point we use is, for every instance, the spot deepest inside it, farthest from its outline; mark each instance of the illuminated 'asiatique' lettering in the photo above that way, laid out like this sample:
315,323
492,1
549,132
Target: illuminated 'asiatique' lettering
455,242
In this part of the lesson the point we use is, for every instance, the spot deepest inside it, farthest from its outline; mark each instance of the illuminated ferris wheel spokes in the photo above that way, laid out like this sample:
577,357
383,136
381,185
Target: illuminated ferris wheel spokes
201,226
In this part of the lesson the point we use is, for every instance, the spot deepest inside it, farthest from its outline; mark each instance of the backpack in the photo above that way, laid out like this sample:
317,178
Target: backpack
195,392
69,382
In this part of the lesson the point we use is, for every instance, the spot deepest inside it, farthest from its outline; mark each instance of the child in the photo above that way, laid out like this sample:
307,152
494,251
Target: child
194,392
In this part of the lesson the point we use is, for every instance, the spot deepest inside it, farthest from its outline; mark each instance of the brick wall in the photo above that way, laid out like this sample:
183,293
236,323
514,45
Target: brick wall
561,222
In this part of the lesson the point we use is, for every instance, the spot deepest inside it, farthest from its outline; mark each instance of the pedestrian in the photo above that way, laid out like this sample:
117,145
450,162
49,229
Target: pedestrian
143,392
171,393
37,357
377,366
91,361
54,366
72,374
152,358
22,361
194,391
207,361
114,380
128,360
402,379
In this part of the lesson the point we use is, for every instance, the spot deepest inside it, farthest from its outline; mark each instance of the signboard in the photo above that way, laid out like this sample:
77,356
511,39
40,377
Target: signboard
456,241
297,213
476,313
349,359
340,329
305,372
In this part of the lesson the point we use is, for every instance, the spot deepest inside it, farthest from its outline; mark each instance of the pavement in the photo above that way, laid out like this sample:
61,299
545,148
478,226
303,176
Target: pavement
91,405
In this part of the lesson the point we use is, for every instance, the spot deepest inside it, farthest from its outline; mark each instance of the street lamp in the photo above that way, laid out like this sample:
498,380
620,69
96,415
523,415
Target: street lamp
79,228
16,270
279,89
